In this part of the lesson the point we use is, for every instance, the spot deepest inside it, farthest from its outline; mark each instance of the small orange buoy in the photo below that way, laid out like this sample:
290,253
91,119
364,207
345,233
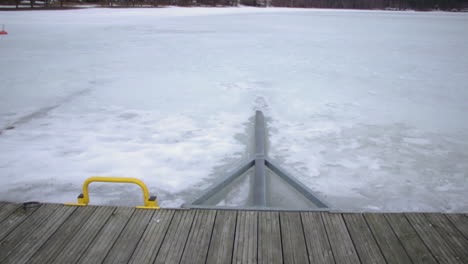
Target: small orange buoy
3,32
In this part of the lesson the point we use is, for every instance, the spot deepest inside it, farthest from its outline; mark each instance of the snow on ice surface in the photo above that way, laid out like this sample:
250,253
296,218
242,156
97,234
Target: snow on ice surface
365,107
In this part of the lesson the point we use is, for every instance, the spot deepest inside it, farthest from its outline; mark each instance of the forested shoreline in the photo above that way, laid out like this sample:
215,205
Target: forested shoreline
418,5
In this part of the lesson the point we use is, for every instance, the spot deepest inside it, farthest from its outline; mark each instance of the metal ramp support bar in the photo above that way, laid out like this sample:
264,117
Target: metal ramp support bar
260,162
259,186
224,182
295,183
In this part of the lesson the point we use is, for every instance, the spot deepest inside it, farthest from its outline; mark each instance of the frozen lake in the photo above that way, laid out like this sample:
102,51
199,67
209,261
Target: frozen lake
367,108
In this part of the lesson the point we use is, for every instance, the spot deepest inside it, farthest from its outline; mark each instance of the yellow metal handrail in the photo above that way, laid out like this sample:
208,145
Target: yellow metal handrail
150,201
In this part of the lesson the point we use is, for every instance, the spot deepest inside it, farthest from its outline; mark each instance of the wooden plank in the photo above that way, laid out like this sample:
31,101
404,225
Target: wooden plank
196,248
412,243
25,228
7,210
245,239
389,244
148,247
460,221
123,248
54,245
364,241
62,234
316,238
292,238
174,243
440,249
340,240
104,241
454,238
222,240
269,238
14,219
75,248
28,246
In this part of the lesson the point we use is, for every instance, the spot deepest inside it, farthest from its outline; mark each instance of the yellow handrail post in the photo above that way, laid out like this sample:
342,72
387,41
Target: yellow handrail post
150,201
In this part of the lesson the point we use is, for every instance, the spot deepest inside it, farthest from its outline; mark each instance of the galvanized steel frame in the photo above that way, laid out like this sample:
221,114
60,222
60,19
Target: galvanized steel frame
260,162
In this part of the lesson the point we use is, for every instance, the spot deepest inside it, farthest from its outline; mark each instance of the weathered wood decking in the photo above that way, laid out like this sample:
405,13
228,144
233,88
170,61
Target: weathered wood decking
52,233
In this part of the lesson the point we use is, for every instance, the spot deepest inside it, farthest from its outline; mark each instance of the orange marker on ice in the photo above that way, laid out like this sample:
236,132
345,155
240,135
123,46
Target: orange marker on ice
3,32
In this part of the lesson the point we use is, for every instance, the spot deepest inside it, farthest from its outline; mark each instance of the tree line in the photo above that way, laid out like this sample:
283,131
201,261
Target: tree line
449,5
376,4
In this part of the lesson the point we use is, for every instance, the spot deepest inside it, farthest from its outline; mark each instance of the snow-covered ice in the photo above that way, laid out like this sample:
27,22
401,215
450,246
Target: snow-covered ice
367,108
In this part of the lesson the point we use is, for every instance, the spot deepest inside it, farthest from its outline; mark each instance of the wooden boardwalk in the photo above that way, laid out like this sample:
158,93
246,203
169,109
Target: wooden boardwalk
53,233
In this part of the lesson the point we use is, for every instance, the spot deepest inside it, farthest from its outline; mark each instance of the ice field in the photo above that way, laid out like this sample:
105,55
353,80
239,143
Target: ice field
369,109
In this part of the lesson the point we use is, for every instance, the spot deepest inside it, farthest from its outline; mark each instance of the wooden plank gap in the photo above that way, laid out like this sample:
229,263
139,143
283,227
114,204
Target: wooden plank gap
125,245
198,242
410,239
245,241
16,218
233,241
188,235
304,236
105,240
333,254
318,245
173,245
352,240
390,245
28,247
23,230
460,221
294,244
54,245
85,236
363,240
151,241
448,231
440,249
269,238
340,239
211,236
7,210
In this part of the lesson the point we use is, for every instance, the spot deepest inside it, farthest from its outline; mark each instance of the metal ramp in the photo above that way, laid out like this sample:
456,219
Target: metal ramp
264,173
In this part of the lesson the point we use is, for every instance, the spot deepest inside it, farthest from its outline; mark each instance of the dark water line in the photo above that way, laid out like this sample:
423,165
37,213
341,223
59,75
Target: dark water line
42,111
